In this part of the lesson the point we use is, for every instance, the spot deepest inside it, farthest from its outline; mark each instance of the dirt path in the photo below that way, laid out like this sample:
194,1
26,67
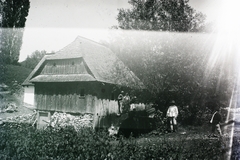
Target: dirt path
6,98
19,113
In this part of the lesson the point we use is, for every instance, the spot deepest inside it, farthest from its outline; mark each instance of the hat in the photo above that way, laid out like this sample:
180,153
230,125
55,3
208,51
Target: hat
172,102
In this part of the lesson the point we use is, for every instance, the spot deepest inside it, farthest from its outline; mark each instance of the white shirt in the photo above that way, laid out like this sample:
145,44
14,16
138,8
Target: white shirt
172,111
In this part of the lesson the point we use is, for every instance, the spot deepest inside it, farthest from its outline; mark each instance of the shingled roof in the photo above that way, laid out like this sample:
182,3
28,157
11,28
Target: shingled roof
102,65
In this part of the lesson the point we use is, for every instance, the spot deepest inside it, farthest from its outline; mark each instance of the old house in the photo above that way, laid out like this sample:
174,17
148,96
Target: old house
83,77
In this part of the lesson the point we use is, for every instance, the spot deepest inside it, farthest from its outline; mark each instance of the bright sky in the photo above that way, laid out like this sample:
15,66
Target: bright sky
51,24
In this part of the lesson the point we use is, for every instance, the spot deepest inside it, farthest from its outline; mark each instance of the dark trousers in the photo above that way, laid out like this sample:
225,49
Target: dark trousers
172,124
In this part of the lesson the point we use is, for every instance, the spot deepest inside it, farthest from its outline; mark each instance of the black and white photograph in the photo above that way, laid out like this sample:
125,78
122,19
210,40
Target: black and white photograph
119,79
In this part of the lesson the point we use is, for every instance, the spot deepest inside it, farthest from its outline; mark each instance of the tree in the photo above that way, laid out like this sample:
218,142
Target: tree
32,60
161,15
174,65
13,15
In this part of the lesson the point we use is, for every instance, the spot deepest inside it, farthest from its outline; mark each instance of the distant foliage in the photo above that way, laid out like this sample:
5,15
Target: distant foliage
16,74
14,77
160,15
32,60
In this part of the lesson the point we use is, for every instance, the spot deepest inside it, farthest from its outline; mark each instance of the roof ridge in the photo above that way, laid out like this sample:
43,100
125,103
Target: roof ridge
79,38
90,40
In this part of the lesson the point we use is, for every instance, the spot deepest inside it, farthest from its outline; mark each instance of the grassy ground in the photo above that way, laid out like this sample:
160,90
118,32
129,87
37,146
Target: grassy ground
235,154
14,77
236,145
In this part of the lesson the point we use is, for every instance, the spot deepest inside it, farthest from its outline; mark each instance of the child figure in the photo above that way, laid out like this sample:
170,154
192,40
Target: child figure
172,114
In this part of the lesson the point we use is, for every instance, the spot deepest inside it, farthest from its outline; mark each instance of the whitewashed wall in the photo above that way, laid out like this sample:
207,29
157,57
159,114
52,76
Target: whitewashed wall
29,95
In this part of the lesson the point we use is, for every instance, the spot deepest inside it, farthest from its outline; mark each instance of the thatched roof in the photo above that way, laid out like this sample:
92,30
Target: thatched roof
63,78
33,73
101,63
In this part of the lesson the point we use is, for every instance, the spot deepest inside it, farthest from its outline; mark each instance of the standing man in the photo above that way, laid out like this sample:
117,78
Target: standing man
120,102
215,121
133,101
172,114
126,103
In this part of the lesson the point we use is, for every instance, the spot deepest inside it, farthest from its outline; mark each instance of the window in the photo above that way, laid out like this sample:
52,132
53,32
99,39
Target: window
103,90
82,93
112,96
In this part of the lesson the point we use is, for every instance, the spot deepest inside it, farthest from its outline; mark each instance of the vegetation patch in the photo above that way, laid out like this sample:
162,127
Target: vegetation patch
22,141
15,73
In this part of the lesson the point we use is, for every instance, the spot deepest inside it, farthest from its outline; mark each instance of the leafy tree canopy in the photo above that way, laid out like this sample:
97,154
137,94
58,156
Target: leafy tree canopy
176,66
13,15
32,60
161,15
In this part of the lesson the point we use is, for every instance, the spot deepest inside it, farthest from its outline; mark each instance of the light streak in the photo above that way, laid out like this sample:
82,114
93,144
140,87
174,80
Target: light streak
226,50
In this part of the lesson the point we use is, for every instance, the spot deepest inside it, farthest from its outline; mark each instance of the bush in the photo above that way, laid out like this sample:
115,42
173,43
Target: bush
22,141
14,76
194,115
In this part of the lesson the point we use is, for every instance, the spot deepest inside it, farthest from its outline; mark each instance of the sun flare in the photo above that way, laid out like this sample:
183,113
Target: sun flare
227,47
228,19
